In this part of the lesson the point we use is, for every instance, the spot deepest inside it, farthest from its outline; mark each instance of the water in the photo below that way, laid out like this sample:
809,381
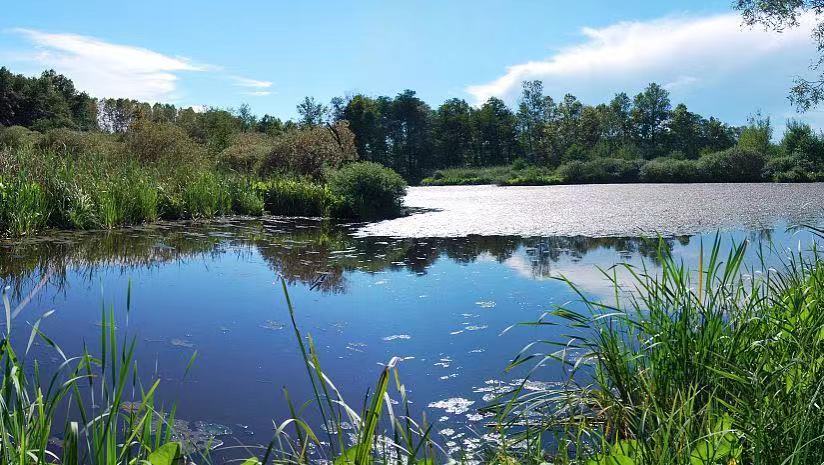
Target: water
602,210
438,289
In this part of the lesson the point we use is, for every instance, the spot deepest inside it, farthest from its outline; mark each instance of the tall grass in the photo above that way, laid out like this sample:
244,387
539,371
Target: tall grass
90,392
293,197
722,364
44,188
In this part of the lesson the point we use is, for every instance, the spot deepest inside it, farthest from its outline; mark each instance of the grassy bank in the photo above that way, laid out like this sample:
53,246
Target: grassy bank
716,365
71,180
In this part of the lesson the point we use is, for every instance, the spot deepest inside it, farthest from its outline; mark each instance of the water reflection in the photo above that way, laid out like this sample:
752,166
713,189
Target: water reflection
311,252
439,303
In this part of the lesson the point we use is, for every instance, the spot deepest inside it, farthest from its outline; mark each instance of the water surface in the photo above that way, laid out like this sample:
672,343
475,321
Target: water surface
602,210
437,288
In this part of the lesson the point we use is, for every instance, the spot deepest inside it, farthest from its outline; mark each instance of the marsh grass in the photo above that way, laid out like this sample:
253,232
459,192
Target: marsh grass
295,197
108,416
718,365
62,188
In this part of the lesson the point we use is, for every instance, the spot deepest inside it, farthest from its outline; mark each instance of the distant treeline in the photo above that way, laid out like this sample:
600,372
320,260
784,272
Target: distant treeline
568,139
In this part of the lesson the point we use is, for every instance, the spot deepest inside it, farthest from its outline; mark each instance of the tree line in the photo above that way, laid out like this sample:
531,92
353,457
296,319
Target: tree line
406,134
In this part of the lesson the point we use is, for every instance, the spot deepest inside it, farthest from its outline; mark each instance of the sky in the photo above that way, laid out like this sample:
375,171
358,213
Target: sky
272,53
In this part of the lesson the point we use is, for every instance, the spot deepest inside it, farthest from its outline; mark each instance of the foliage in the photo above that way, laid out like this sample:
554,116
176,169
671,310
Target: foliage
601,170
368,190
310,150
733,165
665,169
295,197
152,142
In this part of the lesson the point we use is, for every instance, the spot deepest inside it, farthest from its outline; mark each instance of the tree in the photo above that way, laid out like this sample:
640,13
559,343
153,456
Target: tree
409,128
452,133
495,128
780,15
247,119
366,122
757,135
684,132
534,111
311,112
650,112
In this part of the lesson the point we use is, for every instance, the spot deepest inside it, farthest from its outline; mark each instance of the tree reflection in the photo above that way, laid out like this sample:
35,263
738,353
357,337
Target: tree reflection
315,253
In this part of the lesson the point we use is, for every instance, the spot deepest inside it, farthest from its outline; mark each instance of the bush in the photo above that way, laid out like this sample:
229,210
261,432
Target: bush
308,151
247,152
206,196
600,170
79,143
246,200
368,190
665,169
733,165
23,206
156,142
18,136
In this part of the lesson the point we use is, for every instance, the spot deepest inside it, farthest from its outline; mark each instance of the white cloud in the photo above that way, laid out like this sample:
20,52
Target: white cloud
109,70
106,69
252,83
682,52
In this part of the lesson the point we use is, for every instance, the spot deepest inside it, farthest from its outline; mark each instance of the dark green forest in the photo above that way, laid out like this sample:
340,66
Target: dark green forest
544,140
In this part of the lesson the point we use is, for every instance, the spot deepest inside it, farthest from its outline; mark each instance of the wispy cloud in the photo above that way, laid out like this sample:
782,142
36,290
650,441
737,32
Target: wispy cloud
677,51
106,69
253,83
253,87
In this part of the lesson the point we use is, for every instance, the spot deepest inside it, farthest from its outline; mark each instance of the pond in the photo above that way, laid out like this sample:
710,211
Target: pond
438,288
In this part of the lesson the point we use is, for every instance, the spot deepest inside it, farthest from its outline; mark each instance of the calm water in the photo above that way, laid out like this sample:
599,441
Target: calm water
437,288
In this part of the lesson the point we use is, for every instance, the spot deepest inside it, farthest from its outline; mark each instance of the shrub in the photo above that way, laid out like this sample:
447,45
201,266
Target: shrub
600,170
665,169
733,165
79,143
247,152
155,142
308,151
18,136
368,190
246,199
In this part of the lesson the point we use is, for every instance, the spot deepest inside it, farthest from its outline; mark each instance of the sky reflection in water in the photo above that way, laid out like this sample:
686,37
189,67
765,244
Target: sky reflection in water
441,304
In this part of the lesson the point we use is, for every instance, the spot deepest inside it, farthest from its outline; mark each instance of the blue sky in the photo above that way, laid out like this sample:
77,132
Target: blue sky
272,53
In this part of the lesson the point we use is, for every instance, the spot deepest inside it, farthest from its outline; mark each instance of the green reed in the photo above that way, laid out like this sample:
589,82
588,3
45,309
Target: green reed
719,365
109,417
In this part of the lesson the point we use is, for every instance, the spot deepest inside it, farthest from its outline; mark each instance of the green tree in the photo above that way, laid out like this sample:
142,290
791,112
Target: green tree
650,112
452,133
409,127
684,132
496,134
366,120
534,112
311,112
757,135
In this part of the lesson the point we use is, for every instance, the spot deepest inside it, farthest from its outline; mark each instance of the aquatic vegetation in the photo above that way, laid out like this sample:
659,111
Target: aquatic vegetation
113,417
716,365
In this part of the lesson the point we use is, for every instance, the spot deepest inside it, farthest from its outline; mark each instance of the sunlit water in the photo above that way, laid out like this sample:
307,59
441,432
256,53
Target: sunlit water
441,303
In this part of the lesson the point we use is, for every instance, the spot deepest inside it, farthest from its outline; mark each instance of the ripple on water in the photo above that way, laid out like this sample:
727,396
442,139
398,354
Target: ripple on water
600,210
